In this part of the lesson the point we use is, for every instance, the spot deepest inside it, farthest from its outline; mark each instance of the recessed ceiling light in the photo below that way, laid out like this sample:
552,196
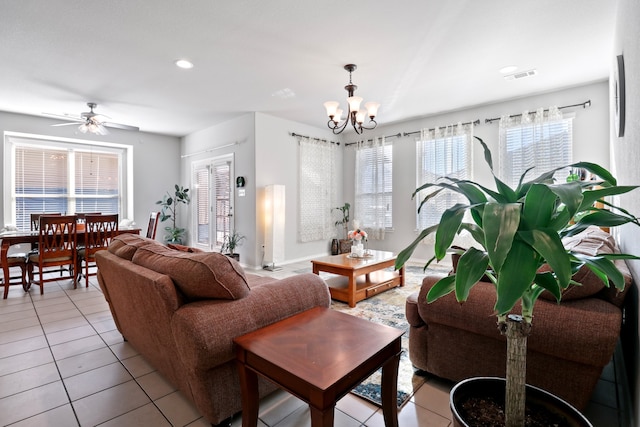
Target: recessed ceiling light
183,63
508,69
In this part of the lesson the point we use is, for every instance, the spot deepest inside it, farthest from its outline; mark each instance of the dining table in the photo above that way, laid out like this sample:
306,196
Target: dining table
11,238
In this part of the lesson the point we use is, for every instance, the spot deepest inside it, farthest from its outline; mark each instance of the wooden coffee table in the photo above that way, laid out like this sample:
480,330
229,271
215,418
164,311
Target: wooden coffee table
360,278
319,356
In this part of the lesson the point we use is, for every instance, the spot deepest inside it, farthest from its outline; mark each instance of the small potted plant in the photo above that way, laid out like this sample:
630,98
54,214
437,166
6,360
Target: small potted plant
518,231
344,245
169,210
230,243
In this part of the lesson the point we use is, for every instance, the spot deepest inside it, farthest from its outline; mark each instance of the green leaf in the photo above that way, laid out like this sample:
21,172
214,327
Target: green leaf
547,281
570,194
507,193
449,226
516,276
604,268
471,267
604,218
539,206
548,244
487,152
441,288
591,196
406,253
476,232
500,223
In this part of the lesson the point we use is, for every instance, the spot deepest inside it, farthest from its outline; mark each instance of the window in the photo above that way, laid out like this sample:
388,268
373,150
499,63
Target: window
545,145
66,176
316,189
440,155
213,199
374,187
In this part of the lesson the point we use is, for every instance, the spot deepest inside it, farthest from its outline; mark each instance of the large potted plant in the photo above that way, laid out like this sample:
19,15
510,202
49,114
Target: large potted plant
518,231
169,210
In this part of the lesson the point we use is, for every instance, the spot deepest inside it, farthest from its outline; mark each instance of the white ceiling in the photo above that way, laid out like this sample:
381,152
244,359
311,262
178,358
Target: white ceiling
415,57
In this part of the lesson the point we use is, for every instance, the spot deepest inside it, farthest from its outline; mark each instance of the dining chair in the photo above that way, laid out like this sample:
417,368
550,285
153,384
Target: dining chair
18,259
35,219
154,218
99,230
57,240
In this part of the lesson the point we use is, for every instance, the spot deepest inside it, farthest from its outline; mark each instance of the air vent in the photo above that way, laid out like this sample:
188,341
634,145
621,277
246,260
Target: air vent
521,75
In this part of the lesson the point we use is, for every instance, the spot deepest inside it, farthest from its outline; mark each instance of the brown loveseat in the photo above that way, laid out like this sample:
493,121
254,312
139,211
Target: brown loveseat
569,345
181,311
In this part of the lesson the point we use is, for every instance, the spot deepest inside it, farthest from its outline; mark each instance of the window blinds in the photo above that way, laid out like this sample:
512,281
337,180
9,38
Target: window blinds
374,187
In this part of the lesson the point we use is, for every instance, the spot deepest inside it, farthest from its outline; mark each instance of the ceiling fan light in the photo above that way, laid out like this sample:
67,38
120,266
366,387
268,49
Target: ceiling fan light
83,128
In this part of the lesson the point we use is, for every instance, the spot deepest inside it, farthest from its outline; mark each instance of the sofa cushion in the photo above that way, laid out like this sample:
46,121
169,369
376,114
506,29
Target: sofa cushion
201,275
126,244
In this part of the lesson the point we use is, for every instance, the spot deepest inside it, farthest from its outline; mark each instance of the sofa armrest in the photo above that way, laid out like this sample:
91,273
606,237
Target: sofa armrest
204,330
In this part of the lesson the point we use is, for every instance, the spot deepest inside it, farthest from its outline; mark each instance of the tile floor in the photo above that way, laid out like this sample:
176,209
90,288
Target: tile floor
63,363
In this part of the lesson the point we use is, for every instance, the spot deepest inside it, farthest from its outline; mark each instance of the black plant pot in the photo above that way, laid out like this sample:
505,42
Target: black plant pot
234,256
495,387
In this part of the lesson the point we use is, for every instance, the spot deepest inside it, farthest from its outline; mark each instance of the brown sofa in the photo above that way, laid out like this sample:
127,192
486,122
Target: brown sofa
181,310
569,345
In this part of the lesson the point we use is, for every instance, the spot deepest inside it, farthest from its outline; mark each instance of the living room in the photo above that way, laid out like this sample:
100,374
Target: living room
265,153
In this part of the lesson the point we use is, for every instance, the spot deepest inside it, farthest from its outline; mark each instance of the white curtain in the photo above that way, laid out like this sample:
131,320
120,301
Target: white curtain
317,189
373,186
441,152
541,139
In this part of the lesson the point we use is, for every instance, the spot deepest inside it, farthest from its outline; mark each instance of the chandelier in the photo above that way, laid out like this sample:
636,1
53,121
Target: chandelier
355,116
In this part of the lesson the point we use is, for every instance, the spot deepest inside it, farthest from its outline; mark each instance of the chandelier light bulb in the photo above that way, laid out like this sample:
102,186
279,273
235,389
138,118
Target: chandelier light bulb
372,109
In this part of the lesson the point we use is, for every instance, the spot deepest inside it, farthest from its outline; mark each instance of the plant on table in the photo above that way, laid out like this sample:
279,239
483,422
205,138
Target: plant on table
169,210
519,230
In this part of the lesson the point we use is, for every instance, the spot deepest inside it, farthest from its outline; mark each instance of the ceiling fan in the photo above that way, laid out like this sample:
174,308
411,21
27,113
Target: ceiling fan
91,122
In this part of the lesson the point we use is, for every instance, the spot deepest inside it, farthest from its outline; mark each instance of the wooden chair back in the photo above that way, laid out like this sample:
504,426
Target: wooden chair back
154,218
99,230
35,219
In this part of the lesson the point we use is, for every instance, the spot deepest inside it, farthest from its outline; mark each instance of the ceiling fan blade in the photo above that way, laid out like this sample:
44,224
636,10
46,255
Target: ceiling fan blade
120,126
66,124
66,117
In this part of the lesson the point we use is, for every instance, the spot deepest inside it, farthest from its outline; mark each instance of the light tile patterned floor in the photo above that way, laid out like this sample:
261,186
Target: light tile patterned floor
63,363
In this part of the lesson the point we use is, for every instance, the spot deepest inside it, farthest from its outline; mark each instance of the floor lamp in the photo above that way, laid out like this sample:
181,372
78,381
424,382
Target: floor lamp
274,226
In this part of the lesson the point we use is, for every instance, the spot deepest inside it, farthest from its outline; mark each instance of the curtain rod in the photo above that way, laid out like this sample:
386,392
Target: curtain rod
583,105
475,122
371,140
209,150
315,139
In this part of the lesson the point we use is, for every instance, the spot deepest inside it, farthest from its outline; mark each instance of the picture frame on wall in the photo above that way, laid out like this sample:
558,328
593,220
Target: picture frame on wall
619,92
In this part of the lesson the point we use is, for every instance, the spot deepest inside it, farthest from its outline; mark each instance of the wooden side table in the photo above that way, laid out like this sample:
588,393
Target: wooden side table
319,356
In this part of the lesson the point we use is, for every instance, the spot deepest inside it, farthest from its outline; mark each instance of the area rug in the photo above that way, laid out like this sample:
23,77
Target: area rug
388,308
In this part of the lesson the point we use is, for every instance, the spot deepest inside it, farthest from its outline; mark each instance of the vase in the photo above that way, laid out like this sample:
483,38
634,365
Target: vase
335,247
357,249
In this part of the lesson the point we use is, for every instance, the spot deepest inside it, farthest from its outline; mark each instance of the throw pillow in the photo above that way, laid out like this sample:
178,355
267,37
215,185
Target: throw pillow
199,275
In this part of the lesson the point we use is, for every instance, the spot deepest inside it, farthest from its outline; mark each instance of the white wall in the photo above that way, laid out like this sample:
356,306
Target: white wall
155,158
210,143
277,163
625,164
590,134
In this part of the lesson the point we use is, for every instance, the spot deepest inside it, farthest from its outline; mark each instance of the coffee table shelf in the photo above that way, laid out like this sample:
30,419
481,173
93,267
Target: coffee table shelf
359,278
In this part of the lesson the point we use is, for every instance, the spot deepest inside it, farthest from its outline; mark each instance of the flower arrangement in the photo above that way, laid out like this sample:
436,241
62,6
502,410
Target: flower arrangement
357,234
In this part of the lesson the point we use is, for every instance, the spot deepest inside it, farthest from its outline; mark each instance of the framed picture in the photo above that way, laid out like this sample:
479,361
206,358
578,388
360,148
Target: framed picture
619,94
